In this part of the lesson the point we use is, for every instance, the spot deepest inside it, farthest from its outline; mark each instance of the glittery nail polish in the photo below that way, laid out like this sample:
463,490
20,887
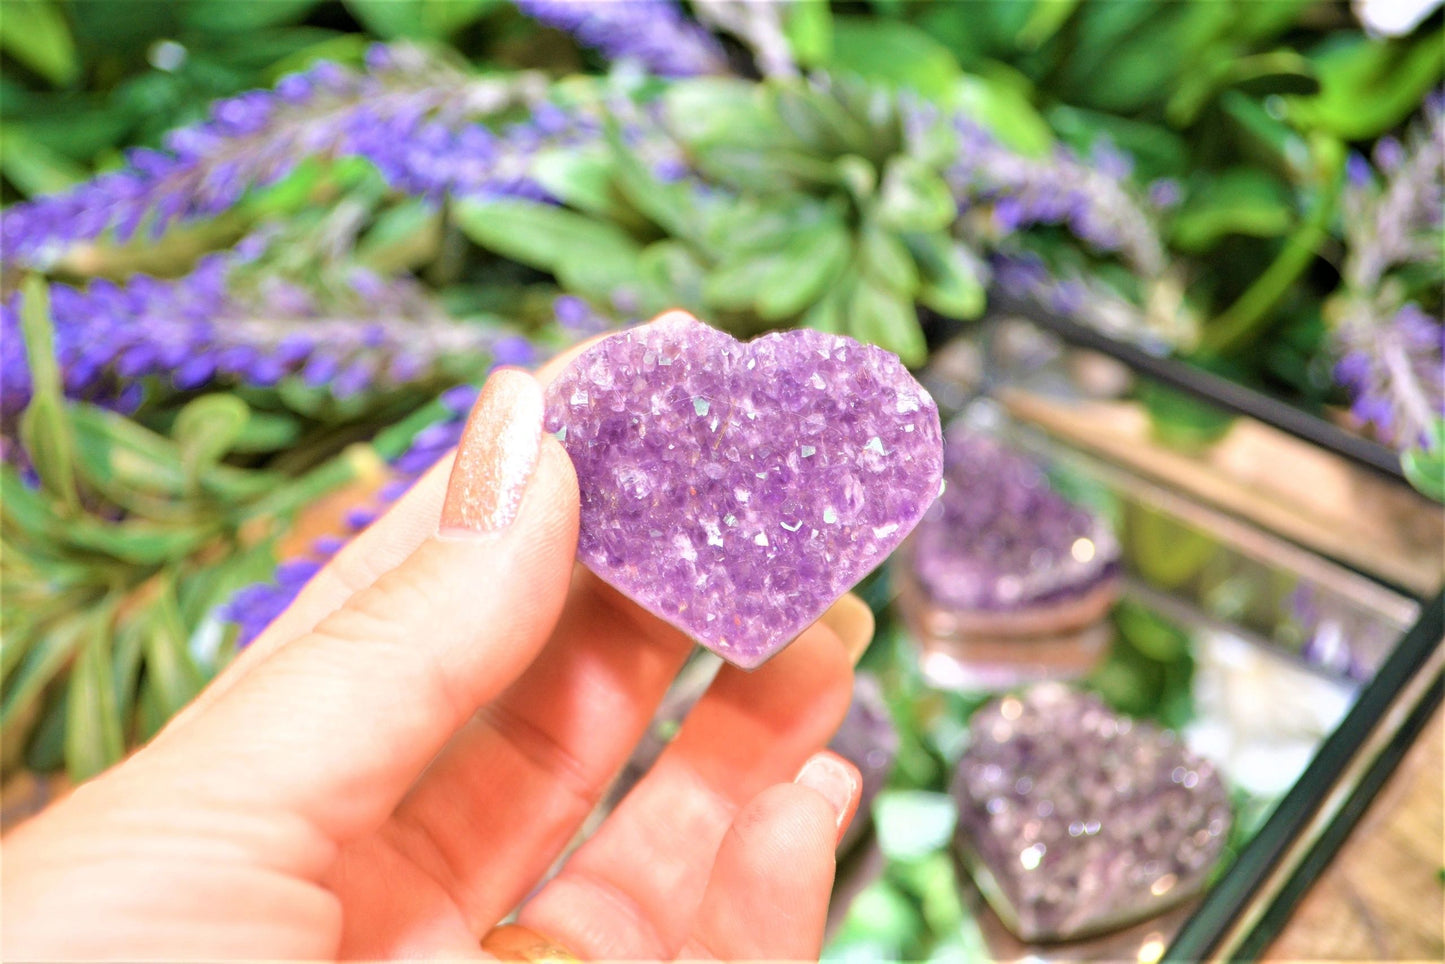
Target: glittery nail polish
496,457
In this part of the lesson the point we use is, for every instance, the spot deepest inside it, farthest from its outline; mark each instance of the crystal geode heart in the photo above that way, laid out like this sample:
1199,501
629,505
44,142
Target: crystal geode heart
1076,820
736,489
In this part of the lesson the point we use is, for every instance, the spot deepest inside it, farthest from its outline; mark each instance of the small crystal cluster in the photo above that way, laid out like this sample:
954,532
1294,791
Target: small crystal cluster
1001,538
1076,819
735,489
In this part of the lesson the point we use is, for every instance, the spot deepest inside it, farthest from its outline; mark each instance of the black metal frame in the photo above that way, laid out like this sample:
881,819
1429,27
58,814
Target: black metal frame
1205,932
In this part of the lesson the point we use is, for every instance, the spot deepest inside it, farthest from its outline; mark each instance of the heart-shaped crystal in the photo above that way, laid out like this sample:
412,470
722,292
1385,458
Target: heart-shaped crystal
736,489
1074,819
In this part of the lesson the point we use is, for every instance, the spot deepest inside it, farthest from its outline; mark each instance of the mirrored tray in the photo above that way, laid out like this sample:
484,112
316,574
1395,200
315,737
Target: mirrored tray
1279,610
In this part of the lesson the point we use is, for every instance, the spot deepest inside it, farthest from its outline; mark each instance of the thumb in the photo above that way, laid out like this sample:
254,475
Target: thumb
335,726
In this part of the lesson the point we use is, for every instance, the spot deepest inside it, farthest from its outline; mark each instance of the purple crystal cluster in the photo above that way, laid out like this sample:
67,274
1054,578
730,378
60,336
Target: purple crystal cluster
737,489
652,32
253,607
1075,819
1001,538
414,118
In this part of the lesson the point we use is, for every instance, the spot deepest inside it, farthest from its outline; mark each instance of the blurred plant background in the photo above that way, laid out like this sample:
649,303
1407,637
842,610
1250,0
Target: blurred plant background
258,253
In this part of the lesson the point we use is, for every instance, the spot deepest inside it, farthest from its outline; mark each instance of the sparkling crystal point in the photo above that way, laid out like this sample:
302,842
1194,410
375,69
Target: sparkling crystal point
725,491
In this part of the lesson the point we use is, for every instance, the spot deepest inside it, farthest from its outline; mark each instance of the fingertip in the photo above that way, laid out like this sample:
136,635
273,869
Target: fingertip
837,781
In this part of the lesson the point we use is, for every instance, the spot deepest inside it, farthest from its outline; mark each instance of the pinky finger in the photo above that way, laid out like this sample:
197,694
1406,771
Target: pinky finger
768,894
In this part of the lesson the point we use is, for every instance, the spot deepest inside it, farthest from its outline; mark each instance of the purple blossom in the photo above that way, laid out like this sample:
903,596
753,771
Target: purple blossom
1025,278
1395,372
1390,348
1091,200
209,327
254,607
652,32
412,117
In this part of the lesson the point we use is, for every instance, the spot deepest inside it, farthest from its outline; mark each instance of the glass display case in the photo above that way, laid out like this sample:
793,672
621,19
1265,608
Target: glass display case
1278,612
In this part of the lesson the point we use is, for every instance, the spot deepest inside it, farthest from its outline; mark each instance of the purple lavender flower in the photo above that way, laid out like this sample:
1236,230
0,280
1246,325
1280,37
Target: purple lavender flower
413,118
1395,371
652,32
207,327
1026,279
254,607
1391,349
1091,200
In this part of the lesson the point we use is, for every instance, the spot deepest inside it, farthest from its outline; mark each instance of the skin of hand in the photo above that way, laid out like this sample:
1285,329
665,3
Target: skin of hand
394,765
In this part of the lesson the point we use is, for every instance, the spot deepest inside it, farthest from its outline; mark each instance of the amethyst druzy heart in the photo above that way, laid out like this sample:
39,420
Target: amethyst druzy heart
1074,819
737,489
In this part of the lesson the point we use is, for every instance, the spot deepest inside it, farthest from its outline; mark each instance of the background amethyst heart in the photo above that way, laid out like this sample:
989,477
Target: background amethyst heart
1076,819
736,489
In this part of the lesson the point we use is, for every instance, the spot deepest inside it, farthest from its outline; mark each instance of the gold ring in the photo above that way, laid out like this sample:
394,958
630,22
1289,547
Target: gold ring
513,942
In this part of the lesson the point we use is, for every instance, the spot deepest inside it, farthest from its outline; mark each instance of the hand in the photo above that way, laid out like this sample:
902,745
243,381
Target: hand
393,766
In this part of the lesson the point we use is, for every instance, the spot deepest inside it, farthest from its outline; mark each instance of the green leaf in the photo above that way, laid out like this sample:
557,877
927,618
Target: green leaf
711,110
1425,466
587,256
806,268
887,260
44,429
205,430
1045,19
894,52
1369,86
668,206
45,749
1275,72
732,285
268,432
33,167
1003,107
390,19
170,669
1237,201
231,18
138,541
817,121
808,25
673,275
827,313
93,732
887,320
404,236
914,198
48,655
951,285
580,178
34,32
764,170
913,823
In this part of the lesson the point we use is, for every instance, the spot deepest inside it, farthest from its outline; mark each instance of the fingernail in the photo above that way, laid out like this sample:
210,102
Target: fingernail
834,779
496,457
851,620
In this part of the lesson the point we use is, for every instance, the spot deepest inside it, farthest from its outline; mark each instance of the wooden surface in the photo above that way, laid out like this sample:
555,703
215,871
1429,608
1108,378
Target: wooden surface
1381,898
